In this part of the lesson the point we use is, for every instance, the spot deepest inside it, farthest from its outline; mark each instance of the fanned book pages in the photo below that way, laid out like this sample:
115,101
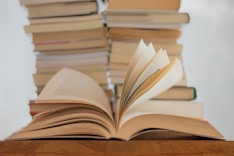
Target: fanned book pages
79,108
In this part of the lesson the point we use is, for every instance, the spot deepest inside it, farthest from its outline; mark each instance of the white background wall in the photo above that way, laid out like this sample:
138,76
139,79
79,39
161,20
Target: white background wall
208,59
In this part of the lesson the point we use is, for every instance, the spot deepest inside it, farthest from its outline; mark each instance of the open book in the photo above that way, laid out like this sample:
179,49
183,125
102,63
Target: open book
83,110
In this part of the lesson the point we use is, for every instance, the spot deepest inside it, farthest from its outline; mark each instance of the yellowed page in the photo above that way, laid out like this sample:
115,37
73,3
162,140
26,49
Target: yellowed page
159,61
190,109
140,60
78,130
158,82
148,75
141,47
72,86
70,115
178,124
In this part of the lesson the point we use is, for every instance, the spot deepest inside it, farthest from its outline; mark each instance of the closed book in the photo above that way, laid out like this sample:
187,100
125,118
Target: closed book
61,9
158,35
187,93
144,5
68,26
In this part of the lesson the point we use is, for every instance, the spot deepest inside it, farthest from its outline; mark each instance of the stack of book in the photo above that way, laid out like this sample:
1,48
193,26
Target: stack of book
152,98
156,21
72,105
67,33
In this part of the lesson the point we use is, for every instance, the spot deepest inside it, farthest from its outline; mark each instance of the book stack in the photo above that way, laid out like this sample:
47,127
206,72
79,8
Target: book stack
67,33
156,21
72,105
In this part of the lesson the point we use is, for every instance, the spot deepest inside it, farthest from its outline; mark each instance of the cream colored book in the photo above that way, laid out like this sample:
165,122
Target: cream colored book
52,37
36,2
71,45
83,109
68,26
61,9
178,93
72,60
152,35
148,17
119,47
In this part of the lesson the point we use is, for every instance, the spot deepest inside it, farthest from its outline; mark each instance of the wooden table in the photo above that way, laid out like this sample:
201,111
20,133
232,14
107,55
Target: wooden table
117,148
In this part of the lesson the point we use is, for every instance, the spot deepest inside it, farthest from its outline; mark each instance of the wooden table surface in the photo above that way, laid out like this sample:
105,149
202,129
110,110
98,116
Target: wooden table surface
117,147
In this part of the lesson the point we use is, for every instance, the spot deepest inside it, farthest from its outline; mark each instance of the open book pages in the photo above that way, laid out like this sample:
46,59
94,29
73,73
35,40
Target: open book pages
83,110
70,86
149,74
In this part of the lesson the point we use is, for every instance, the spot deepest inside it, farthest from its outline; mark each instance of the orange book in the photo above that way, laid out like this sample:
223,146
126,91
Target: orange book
144,5
132,33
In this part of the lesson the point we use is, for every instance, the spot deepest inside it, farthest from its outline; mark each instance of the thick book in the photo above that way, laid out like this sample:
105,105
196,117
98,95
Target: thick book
66,26
153,17
91,116
174,93
72,60
36,2
158,35
146,19
97,42
120,46
61,9
76,51
68,36
143,5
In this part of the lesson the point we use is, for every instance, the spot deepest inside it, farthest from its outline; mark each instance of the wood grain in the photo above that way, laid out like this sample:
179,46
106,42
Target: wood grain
117,147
